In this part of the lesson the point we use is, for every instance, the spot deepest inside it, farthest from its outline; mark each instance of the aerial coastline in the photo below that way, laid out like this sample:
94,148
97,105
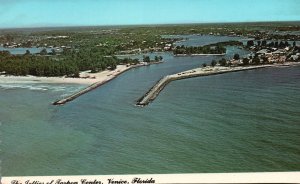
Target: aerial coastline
62,57
85,77
263,55
154,91
99,88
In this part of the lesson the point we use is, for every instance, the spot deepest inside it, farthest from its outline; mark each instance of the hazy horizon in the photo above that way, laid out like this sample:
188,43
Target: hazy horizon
144,25
79,13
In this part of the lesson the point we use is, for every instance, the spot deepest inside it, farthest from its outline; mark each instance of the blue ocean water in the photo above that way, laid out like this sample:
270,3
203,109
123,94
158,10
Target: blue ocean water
236,122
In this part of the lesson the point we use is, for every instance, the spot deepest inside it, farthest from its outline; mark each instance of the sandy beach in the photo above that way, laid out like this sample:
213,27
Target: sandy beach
85,77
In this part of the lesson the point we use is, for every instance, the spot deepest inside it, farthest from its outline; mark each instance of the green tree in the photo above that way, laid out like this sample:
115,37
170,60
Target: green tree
250,43
213,63
236,57
265,60
286,43
258,43
113,65
53,52
256,60
4,54
223,62
43,52
27,53
281,44
146,59
245,61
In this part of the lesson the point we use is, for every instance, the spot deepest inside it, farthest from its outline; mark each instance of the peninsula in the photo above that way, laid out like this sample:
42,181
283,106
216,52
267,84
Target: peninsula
284,55
197,72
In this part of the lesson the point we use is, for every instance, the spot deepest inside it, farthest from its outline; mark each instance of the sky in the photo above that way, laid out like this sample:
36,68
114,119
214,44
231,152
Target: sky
51,13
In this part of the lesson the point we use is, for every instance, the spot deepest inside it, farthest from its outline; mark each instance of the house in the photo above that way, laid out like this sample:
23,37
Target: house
294,57
274,49
251,55
167,46
262,52
236,62
282,59
278,52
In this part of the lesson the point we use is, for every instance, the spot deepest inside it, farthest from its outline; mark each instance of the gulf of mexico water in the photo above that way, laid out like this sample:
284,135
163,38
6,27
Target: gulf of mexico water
236,122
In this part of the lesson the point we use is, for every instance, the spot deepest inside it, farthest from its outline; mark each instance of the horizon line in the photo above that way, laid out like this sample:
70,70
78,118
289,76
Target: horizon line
150,24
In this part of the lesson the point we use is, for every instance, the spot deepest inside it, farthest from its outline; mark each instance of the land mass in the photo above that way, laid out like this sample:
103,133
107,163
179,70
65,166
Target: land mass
85,77
153,92
92,56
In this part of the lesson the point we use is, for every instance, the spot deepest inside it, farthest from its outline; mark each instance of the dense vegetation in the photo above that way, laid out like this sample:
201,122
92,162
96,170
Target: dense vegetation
114,39
199,50
93,48
264,44
256,59
69,64
218,48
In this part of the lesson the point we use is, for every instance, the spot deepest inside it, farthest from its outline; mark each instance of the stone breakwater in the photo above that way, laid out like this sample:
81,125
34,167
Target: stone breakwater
79,93
91,87
153,92
97,84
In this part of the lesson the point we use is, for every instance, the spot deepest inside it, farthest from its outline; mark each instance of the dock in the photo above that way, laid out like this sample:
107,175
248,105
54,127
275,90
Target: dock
154,91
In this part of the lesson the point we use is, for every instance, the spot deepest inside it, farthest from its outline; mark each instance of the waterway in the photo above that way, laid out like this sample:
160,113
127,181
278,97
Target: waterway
237,122
22,50
200,40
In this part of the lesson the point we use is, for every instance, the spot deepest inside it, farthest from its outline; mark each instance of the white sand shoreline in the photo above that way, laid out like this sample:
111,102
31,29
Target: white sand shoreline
85,77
